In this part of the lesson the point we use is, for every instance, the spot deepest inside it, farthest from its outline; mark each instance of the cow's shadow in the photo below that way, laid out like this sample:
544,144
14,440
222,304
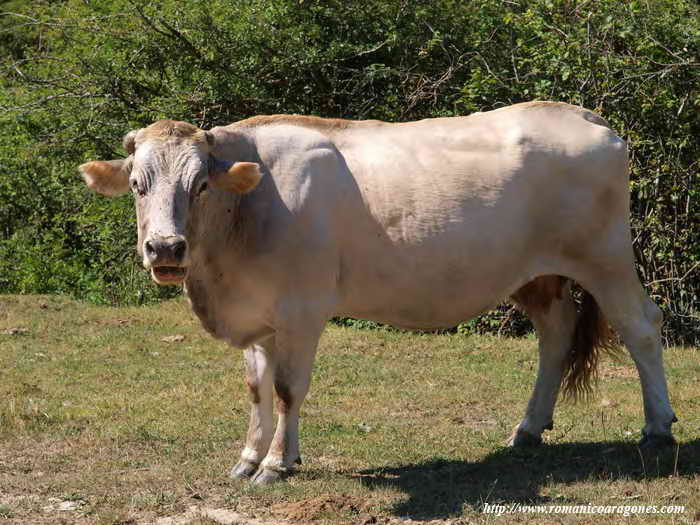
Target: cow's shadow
439,488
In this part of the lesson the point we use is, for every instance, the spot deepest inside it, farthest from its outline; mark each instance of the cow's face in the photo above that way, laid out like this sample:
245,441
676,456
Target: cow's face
168,168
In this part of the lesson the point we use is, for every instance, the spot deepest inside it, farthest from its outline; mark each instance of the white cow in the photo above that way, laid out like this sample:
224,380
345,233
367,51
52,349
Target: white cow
277,223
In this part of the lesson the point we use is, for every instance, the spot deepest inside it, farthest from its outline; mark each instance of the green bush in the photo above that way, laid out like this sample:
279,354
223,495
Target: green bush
77,75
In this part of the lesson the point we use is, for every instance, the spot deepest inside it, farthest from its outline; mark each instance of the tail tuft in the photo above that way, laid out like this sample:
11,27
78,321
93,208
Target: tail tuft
592,338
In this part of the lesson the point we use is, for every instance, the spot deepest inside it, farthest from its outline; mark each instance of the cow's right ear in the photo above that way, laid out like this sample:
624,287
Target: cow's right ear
107,177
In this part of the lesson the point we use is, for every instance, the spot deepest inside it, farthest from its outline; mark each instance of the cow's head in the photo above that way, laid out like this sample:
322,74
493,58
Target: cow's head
168,167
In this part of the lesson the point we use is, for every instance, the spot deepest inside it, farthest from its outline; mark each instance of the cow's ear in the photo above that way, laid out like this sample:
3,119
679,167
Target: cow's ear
107,177
239,177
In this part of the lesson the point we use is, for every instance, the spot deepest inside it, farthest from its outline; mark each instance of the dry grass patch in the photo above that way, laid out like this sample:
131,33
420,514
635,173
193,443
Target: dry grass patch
135,415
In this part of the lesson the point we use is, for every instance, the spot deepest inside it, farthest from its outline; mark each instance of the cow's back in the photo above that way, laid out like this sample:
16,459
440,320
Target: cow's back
453,214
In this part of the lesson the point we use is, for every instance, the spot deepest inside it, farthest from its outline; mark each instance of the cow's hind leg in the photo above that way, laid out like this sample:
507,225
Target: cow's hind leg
259,361
548,303
638,320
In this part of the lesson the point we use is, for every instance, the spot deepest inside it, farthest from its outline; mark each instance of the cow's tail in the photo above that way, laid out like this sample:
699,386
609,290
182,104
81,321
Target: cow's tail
592,338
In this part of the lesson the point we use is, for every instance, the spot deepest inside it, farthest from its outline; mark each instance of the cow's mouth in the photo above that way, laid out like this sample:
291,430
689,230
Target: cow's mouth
168,274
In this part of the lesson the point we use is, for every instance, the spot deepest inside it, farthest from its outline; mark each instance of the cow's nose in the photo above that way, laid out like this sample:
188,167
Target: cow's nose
167,251
179,249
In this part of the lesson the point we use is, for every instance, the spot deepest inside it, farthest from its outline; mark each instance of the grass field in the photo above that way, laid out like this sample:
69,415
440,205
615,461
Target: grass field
105,417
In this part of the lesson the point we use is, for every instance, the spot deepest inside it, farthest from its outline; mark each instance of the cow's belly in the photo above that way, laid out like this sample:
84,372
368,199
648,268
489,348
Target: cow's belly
429,296
419,315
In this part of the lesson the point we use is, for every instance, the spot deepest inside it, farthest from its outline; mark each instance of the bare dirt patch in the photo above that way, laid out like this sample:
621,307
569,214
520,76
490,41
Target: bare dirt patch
322,507
207,515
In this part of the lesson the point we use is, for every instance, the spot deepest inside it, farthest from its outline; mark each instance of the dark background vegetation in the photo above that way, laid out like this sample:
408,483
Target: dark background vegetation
76,75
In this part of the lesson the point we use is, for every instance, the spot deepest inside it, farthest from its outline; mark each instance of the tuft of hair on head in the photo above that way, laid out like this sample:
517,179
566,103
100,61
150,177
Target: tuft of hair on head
169,129
129,141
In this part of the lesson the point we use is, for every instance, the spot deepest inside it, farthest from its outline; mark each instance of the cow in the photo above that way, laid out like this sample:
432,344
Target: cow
276,224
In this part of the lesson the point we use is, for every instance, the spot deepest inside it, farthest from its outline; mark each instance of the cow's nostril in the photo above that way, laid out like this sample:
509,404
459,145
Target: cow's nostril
179,249
150,250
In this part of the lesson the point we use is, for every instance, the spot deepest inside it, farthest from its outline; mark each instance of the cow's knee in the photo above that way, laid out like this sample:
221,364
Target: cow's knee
285,396
253,388
653,314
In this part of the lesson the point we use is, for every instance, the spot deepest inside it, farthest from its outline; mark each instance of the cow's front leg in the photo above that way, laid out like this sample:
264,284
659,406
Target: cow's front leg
292,376
259,362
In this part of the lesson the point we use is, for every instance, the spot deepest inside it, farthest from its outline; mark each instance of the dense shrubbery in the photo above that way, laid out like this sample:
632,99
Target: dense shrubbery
76,75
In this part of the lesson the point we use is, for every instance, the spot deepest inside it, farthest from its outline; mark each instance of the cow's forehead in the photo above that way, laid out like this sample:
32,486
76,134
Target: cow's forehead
176,157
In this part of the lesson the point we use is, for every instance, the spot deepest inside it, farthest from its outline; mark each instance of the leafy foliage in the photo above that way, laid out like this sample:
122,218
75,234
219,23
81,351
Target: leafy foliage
76,75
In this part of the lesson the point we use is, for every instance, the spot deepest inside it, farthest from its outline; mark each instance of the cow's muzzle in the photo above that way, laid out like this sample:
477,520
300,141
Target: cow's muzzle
167,258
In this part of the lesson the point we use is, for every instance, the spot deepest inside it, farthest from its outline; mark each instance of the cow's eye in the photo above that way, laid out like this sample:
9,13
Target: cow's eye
202,187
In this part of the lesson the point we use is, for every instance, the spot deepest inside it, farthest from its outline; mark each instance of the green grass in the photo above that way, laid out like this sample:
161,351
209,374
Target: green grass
96,407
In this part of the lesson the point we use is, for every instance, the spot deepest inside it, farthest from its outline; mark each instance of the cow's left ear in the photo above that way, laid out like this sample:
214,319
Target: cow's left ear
239,177
107,177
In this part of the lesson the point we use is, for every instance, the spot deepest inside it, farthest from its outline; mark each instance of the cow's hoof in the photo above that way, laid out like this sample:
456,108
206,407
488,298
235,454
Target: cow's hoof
266,476
243,470
650,442
523,439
